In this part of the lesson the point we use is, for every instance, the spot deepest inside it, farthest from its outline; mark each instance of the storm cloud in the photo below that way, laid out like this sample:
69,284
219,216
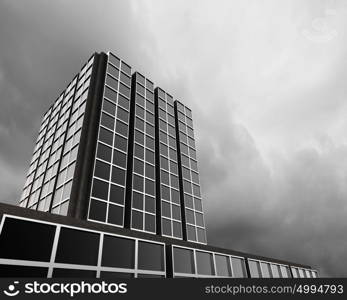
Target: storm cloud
266,81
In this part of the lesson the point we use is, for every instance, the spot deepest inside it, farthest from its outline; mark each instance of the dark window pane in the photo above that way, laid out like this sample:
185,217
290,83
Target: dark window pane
198,204
149,105
114,60
112,70
139,151
204,263
191,234
118,176
100,189
166,227
26,240
150,156
110,94
238,265
22,271
150,119
137,219
118,252
97,210
149,143
201,235
72,247
174,181
165,192
120,142
175,196
183,261
140,89
139,137
123,102
113,83
122,128
149,187
123,115
119,158
124,90
126,68
199,219
109,107
190,216
137,200
222,265
176,212
138,166
188,201
176,229
149,85
124,78
151,256
106,136
138,183
115,275
107,121
165,209
149,204
104,152
164,164
117,194
149,171
102,170
115,214
140,112
150,223
139,124
72,273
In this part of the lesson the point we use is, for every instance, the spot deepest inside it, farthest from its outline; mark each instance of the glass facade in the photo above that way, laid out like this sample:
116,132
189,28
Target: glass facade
107,198
263,269
195,224
50,176
190,262
55,250
171,221
143,202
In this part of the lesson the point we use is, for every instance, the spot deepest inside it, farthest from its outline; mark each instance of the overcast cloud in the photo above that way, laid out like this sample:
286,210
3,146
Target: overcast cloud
267,84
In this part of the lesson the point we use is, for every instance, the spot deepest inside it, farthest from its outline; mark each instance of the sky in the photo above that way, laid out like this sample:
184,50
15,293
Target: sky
266,81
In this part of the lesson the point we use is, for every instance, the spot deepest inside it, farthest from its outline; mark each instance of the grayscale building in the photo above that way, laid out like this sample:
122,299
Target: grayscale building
115,171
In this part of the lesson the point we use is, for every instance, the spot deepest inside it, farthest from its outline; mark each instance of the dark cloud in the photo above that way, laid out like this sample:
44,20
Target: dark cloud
253,84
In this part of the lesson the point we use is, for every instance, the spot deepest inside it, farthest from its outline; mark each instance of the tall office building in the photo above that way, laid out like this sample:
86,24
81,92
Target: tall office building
95,156
115,171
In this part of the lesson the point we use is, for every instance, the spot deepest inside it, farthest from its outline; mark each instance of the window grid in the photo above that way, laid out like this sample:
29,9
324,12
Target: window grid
303,273
195,222
136,271
214,268
267,269
110,163
67,165
143,206
34,159
46,157
43,156
171,220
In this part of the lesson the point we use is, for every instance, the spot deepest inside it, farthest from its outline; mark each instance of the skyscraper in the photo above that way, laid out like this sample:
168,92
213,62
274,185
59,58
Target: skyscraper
116,159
